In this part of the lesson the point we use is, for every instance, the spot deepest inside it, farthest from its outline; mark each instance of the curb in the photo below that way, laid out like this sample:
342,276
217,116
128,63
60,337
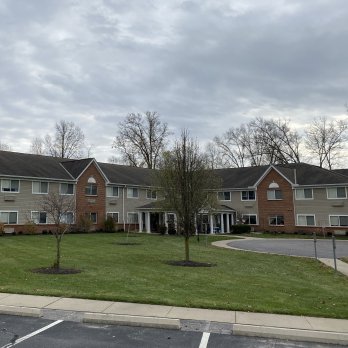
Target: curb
20,311
131,320
291,334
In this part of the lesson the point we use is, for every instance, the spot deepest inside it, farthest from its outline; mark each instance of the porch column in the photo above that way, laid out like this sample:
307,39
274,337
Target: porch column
228,222
211,223
222,227
196,230
166,221
147,222
140,221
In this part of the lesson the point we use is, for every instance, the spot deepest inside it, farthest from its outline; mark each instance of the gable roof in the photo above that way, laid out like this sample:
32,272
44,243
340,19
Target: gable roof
17,164
76,167
342,171
120,174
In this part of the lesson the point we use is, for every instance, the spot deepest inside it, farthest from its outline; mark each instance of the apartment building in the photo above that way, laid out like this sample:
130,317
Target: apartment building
285,198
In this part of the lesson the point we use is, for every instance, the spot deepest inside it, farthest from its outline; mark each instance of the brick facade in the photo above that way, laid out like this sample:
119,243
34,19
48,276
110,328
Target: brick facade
282,207
87,204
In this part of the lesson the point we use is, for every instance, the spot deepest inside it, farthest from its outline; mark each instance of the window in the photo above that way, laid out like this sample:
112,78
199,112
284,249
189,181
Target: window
151,194
336,192
114,216
274,194
249,219
132,218
248,196
224,196
40,187
277,220
39,217
8,185
112,191
338,220
66,189
132,192
304,193
306,220
67,218
92,217
8,217
91,189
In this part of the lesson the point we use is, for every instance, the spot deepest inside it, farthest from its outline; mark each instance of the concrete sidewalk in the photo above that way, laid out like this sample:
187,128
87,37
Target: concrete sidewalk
300,328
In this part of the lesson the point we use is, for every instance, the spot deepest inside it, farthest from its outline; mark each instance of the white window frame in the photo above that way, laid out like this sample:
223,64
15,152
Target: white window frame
338,216
274,198
133,188
66,194
137,215
305,215
10,180
303,198
223,192
89,186
151,192
89,215
64,215
113,212
40,193
39,212
275,216
248,215
336,187
245,200
9,211
111,188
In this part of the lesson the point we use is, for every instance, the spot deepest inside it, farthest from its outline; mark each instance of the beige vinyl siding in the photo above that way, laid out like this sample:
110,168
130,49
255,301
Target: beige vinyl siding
321,206
25,201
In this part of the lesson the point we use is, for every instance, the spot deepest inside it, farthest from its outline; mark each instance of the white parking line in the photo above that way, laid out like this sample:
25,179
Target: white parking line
204,340
31,334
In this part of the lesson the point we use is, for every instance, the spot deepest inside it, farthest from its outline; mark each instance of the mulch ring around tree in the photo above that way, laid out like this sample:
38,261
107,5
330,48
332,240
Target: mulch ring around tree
52,270
184,263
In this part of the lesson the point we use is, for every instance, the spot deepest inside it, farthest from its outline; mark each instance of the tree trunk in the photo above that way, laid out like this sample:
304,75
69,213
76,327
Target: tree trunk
57,261
187,249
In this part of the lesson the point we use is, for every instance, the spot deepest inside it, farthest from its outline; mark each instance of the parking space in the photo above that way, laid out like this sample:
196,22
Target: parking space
42,333
293,247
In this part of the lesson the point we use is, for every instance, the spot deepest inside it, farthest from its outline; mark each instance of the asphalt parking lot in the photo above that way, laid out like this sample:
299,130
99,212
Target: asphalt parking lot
43,333
293,247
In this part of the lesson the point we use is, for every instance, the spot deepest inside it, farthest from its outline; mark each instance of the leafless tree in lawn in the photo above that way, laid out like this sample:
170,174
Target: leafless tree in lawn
68,141
188,185
326,140
60,210
141,139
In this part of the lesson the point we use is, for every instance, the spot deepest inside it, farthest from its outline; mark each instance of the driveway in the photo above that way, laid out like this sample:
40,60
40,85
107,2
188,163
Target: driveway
292,247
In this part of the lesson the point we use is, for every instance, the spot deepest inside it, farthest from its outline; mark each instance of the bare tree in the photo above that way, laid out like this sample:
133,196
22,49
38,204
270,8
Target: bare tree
61,210
326,140
5,147
188,184
258,142
68,141
141,139
37,146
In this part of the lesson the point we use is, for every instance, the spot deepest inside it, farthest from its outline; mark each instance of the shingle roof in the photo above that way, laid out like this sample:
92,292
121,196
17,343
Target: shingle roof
342,171
307,174
240,177
35,166
76,167
119,174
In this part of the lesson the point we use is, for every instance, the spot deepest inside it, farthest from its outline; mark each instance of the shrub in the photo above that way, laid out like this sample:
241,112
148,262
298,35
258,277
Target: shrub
109,224
84,224
162,229
241,228
2,229
30,227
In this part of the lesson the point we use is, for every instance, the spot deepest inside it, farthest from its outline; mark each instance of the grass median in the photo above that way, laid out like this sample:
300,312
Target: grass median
138,272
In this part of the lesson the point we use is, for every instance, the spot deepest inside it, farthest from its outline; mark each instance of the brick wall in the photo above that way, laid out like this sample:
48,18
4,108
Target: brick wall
269,208
91,204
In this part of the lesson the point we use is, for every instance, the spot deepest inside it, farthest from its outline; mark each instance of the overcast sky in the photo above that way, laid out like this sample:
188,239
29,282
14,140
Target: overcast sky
203,65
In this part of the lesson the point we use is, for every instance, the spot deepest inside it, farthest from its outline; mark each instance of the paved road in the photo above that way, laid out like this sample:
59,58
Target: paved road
294,247
61,334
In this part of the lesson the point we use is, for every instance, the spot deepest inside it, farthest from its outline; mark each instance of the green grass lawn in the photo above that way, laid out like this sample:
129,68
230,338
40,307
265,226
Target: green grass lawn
243,281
